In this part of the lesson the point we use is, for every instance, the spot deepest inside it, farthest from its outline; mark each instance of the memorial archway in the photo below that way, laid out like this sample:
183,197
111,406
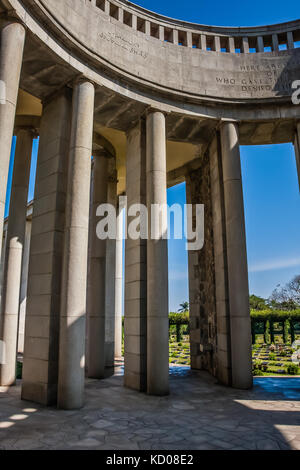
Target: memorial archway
141,81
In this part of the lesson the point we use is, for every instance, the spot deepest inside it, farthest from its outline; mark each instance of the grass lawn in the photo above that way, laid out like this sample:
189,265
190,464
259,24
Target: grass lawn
179,353
267,361
273,359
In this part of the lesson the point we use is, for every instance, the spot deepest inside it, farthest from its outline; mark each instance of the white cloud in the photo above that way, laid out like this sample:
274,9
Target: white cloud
272,265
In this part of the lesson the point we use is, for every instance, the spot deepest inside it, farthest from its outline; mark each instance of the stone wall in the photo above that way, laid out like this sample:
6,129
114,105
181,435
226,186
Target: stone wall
202,277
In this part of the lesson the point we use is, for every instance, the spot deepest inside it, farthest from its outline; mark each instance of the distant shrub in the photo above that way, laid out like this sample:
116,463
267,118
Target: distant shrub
257,372
19,370
257,365
292,369
179,318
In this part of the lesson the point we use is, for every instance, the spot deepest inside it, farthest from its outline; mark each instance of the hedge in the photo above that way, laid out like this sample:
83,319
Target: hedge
179,318
265,319
275,315
257,315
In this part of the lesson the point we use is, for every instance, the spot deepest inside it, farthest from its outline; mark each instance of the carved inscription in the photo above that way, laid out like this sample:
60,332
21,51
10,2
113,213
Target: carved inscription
261,78
120,41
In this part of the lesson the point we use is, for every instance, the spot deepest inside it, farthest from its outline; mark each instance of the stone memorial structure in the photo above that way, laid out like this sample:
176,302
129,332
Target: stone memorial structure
156,102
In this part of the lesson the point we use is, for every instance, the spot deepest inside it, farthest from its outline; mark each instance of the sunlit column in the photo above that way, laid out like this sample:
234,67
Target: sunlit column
74,281
14,254
238,288
157,260
11,56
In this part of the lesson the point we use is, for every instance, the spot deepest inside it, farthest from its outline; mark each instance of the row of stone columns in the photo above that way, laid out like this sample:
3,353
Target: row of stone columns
54,353
11,55
63,291
14,254
53,363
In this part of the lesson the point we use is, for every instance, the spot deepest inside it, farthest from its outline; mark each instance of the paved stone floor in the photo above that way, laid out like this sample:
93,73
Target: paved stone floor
199,414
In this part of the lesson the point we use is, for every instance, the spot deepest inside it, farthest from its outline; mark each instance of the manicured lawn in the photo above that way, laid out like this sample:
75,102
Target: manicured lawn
273,360
179,352
267,361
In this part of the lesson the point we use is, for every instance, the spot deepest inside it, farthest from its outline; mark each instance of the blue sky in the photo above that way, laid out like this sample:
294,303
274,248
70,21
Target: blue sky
270,184
226,12
271,192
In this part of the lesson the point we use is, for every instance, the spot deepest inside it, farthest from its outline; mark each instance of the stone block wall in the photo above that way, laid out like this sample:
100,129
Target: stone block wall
202,276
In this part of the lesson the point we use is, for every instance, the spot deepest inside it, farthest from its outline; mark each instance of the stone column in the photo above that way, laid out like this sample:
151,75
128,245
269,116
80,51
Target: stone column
24,283
74,280
14,253
157,260
119,283
135,321
96,279
11,56
110,276
40,363
297,149
224,373
2,258
238,288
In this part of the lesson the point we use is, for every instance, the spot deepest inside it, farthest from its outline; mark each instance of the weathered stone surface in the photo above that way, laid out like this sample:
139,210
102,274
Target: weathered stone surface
264,418
203,325
135,321
40,368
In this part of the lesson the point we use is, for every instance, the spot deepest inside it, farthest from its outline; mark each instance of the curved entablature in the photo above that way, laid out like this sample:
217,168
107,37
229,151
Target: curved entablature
116,45
210,38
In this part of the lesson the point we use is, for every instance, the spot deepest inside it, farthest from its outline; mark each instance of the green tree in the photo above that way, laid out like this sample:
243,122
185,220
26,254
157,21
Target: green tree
258,303
184,307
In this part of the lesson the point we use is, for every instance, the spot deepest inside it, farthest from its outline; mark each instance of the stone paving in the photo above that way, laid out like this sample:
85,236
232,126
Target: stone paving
198,414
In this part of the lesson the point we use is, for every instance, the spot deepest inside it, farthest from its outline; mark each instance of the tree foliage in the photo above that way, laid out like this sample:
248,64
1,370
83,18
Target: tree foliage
288,296
184,307
258,303
179,318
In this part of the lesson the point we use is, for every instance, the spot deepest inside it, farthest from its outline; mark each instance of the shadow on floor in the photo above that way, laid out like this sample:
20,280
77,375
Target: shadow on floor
198,414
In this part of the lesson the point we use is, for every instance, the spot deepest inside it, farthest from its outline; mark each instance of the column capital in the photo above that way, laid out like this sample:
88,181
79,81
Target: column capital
81,79
31,130
30,125
228,121
10,18
135,124
65,90
152,110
